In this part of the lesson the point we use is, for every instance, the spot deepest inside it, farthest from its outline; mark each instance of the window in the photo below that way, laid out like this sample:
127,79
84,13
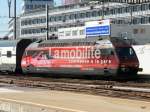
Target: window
135,8
143,20
119,10
68,33
72,16
43,20
9,54
74,33
59,18
81,32
56,18
135,31
144,7
142,30
135,21
125,52
94,14
88,14
128,9
149,7
82,15
106,52
99,12
52,18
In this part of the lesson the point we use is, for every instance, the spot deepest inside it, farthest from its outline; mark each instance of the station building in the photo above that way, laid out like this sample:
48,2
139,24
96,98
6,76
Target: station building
29,5
33,23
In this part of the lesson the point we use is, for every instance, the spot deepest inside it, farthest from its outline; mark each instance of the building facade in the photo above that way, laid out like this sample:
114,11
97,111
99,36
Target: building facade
29,5
33,24
68,2
11,28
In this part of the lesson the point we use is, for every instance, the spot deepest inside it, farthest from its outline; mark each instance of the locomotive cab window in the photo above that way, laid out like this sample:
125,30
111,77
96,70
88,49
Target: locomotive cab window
9,54
107,52
125,52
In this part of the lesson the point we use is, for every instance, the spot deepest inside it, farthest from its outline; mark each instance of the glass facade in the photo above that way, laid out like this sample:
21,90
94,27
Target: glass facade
67,2
30,5
122,14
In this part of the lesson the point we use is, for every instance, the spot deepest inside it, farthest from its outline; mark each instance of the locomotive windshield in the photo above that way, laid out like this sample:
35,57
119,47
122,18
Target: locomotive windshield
107,52
125,52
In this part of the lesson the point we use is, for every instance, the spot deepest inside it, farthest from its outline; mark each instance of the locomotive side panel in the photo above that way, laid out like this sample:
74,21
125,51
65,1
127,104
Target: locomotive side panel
76,57
79,60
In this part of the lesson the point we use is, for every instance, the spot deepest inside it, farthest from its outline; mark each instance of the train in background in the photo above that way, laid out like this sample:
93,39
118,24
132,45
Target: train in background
11,52
143,54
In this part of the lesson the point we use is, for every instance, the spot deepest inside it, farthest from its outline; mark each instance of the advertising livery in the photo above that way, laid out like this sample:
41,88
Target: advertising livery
81,57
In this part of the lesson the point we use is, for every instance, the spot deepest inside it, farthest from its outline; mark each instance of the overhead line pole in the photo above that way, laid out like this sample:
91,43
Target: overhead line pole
15,20
47,22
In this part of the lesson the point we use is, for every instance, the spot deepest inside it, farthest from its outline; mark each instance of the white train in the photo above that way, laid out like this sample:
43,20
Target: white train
143,54
11,52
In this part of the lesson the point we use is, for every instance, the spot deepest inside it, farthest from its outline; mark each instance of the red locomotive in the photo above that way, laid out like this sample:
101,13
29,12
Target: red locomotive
81,57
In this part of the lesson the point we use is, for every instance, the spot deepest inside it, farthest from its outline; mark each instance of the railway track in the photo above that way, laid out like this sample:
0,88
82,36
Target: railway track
137,89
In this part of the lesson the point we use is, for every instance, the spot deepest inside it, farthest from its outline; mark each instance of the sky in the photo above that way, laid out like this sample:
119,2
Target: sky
4,19
58,2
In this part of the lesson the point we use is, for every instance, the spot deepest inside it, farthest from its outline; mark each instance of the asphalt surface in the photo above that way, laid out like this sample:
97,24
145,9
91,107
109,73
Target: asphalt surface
68,101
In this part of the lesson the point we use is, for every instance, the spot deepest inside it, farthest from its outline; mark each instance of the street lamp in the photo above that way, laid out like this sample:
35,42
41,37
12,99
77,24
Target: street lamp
14,17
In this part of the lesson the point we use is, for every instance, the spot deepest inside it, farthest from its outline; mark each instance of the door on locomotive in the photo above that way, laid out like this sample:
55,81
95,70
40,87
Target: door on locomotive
108,60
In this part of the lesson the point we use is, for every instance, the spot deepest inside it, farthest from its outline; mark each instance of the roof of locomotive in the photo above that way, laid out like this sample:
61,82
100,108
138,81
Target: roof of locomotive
116,41
78,42
70,42
8,43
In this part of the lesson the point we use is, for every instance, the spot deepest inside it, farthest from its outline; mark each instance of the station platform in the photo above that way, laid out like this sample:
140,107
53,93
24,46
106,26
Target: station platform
18,99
